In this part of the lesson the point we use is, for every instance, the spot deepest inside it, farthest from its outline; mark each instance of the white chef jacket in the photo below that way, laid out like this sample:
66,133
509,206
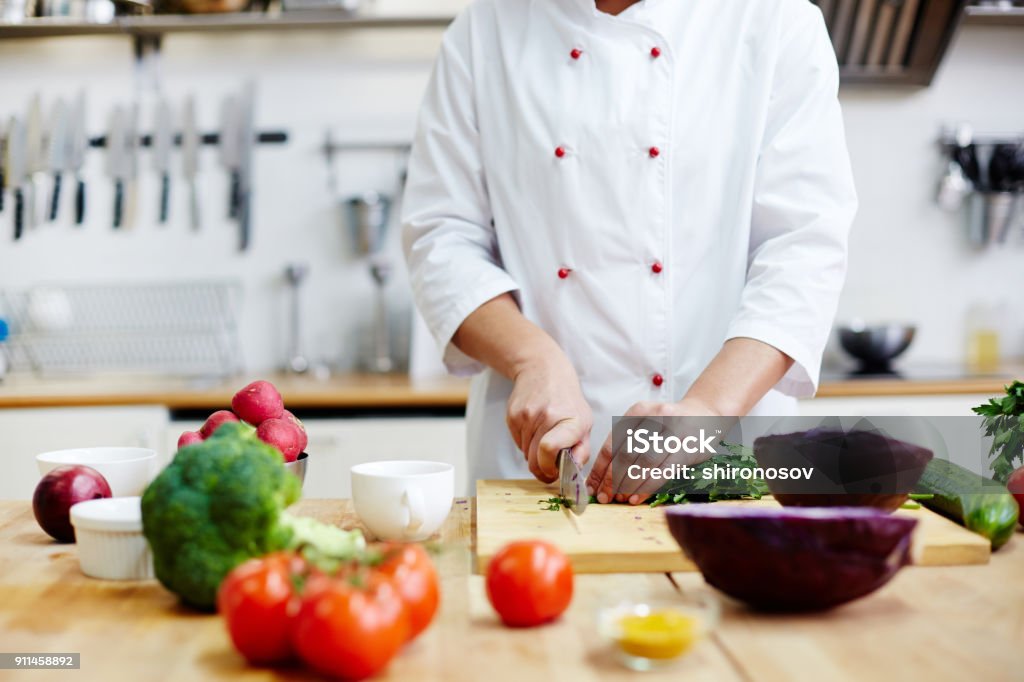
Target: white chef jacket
648,185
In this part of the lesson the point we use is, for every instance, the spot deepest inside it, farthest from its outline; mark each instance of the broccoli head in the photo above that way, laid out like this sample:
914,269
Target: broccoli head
217,504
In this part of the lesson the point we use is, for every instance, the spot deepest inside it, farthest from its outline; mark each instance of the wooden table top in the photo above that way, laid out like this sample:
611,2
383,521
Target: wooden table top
953,623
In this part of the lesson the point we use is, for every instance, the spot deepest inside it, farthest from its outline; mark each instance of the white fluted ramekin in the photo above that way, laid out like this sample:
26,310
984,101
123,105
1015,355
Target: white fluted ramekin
108,533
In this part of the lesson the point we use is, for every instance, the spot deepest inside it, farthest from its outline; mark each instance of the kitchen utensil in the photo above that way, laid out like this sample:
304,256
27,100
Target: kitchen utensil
131,181
163,139
4,133
109,539
876,346
1000,210
247,137
128,470
620,538
953,188
369,216
36,159
78,142
17,170
295,274
58,149
403,500
572,486
116,162
190,159
966,154
1002,168
299,466
230,150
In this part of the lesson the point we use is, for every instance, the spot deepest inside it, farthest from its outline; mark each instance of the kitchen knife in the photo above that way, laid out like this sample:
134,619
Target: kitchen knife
230,150
572,486
58,152
3,165
246,129
131,165
17,171
35,158
190,158
78,142
115,161
163,138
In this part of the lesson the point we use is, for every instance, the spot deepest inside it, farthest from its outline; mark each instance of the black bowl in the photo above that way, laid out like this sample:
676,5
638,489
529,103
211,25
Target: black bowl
875,347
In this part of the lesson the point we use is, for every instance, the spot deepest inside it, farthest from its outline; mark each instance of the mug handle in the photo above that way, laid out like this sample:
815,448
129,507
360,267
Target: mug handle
412,500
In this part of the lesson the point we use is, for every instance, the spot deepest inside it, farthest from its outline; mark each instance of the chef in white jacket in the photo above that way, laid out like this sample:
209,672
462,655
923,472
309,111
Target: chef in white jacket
620,207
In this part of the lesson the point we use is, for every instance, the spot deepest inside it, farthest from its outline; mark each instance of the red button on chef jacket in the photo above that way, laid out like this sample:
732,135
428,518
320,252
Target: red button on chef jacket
576,52
657,380
656,268
563,273
655,52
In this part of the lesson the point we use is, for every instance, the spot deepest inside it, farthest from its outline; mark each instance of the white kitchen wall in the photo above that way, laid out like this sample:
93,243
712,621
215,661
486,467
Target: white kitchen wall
908,260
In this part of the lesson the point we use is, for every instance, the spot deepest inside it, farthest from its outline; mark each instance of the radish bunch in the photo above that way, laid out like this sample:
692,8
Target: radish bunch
259,404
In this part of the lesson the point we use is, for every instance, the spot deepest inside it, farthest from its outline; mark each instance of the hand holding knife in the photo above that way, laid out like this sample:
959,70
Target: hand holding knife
572,484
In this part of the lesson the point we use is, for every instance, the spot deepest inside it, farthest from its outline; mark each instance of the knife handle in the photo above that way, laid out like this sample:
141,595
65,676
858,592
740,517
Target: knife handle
165,196
234,194
118,203
55,198
193,206
244,220
19,213
3,188
80,202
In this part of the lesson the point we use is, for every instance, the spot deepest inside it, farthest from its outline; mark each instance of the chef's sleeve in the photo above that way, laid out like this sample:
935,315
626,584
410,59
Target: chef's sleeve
804,203
449,241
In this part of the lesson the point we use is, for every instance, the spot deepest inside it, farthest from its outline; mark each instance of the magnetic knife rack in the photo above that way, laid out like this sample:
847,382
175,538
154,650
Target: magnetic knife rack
206,139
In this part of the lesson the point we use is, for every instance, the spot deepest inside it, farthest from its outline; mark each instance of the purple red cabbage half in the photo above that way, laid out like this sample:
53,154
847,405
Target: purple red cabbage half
796,558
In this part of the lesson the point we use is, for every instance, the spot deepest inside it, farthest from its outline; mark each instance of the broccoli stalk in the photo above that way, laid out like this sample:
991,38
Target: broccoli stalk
219,503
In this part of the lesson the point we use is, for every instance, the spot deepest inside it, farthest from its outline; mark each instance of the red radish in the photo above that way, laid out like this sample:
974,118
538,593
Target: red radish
288,416
283,435
258,402
58,491
1015,484
214,421
189,438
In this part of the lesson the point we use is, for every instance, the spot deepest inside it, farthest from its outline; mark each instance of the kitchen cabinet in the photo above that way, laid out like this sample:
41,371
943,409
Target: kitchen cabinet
335,445
28,432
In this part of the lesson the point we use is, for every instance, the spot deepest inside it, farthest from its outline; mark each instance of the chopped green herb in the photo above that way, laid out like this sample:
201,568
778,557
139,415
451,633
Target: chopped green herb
910,505
921,496
700,489
553,503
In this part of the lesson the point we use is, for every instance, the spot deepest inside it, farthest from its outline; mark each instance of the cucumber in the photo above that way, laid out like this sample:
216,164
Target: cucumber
979,504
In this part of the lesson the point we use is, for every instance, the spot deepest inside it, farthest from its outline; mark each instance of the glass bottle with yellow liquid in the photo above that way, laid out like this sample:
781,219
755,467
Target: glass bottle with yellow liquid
984,333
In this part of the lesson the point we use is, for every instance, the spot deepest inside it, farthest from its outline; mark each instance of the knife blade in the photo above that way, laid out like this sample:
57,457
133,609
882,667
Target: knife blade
190,158
572,487
17,172
230,149
246,126
35,158
115,161
163,139
131,165
78,142
57,153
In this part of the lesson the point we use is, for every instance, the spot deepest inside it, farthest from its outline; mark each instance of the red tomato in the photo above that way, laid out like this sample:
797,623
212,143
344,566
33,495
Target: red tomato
350,627
410,568
254,600
529,583
1015,484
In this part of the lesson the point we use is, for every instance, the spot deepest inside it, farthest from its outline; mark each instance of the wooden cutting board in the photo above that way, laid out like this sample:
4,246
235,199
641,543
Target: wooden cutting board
617,538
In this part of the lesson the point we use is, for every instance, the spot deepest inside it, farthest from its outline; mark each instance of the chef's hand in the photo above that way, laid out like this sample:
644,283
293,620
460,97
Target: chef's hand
603,481
546,413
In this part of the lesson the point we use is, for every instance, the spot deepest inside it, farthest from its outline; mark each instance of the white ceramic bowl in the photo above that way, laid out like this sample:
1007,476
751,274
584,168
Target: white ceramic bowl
108,533
128,470
403,500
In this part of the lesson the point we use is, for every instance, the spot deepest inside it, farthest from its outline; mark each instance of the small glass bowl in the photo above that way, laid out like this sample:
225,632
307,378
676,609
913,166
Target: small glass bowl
655,633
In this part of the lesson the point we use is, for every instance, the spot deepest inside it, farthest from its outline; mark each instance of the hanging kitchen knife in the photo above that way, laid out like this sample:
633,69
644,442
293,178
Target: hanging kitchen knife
246,118
16,171
190,158
572,486
78,142
116,161
163,138
230,149
131,164
58,149
36,159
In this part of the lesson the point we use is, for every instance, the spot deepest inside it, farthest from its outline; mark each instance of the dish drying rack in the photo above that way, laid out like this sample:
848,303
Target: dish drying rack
182,329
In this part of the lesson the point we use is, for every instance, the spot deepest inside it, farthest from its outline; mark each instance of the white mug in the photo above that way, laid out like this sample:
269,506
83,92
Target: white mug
403,500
